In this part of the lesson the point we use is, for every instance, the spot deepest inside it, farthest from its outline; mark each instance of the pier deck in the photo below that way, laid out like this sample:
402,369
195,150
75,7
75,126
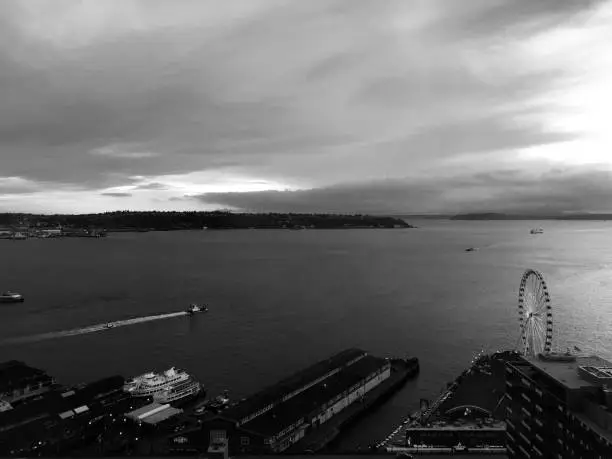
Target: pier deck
480,388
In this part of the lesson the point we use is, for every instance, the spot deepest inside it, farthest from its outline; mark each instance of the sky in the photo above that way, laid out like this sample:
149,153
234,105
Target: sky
370,106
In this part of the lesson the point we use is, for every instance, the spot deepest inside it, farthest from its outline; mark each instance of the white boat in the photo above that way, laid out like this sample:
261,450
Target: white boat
194,308
170,386
11,297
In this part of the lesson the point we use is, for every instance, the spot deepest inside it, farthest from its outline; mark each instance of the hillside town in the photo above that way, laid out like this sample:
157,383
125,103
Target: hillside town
40,230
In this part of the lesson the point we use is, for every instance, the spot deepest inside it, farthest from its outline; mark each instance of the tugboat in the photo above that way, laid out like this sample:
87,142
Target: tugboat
194,308
11,297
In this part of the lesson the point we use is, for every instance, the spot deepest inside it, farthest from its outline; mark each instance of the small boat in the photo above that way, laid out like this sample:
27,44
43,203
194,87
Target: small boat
471,249
537,231
109,325
11,297
195,308
215,405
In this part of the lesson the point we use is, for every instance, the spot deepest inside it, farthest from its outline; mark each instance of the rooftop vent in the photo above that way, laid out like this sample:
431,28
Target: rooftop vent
597,375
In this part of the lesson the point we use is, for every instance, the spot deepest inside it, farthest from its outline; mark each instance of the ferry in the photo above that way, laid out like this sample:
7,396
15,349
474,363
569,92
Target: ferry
11,297
194,308
169,386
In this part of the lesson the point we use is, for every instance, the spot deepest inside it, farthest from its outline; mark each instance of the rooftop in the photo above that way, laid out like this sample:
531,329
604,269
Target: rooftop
14,371
161,416
58,402
153,413
291,411
291,384
461,425
566,373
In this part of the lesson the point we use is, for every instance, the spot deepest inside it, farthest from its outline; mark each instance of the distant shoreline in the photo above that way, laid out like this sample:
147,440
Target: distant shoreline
173,221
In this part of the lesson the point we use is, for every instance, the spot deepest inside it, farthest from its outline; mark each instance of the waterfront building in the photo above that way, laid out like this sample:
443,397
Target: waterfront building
51,232
560,406
19,382
64,419
278,417
153,414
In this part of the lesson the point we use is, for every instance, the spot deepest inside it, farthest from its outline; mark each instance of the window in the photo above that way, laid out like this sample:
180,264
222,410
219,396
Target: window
524,438
526,426
217,435
538,422
539,408
245,441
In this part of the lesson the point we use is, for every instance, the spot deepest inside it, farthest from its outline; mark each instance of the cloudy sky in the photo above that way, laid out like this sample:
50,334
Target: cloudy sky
332,105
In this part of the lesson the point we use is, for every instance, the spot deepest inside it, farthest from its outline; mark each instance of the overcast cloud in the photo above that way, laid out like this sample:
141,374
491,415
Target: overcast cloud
339,105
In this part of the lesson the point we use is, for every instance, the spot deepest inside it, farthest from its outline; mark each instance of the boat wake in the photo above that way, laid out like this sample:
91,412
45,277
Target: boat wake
90,329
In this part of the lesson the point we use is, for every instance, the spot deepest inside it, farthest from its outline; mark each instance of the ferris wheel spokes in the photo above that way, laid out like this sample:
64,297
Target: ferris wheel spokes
535,314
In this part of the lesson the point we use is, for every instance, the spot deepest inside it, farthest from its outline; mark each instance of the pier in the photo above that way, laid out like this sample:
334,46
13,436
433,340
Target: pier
469,410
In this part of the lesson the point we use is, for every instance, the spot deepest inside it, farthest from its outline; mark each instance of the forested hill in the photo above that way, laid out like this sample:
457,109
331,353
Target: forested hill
127,220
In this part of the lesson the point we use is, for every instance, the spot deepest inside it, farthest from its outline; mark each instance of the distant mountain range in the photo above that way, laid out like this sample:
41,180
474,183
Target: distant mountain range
503,216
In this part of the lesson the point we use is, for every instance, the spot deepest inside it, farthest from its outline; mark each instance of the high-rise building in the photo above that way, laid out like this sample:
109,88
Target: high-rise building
560,406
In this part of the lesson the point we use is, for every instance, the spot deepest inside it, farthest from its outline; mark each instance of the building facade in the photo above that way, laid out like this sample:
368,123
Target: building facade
559,406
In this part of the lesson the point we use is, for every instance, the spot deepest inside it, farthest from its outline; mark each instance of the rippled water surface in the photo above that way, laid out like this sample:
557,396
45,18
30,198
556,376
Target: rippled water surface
281,300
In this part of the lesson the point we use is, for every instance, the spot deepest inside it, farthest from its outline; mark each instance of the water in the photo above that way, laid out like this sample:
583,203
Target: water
280,300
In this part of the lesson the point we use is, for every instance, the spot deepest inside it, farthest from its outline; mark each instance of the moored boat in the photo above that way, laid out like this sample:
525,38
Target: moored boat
169,386
214,405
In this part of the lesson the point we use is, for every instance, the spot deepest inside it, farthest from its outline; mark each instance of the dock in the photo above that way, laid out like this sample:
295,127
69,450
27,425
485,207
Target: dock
317,441
470,409
305,411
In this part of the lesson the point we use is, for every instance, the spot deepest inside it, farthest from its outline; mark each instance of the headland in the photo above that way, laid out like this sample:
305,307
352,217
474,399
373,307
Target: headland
128,221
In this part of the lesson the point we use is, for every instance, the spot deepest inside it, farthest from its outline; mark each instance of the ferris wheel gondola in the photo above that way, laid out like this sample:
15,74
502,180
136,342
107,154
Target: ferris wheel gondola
535,315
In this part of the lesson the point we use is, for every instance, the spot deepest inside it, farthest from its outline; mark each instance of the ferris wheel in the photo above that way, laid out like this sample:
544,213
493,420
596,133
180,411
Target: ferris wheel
535,315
